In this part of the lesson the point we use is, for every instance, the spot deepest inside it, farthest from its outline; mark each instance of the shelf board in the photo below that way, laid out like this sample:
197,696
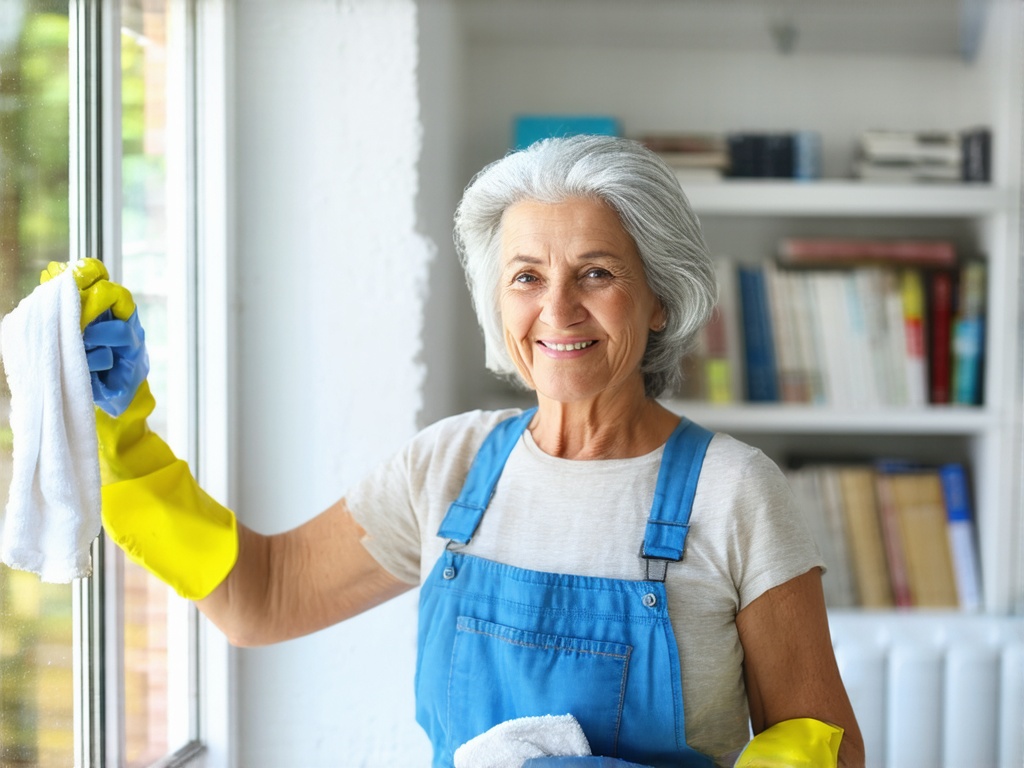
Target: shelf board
787,418
849,197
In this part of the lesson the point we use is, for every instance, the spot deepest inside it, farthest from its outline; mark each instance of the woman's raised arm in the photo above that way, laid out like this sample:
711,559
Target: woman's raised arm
294,583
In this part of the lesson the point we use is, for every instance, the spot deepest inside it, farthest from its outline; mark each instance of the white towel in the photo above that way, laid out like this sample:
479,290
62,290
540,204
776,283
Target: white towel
53,508
510,744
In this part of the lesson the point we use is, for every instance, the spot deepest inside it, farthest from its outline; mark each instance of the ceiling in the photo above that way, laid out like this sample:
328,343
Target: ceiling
909,27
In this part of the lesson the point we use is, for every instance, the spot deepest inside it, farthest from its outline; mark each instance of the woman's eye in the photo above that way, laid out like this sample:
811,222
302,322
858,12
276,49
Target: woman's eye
597,272
524,277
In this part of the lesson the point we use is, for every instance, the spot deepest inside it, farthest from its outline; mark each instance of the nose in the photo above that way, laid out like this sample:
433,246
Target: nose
563,306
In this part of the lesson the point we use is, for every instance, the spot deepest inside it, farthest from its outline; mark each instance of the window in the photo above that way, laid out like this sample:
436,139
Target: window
36,654
159,678
105,671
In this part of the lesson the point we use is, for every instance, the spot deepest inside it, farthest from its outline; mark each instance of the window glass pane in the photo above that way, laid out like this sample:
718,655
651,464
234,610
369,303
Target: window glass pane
157,674
36,682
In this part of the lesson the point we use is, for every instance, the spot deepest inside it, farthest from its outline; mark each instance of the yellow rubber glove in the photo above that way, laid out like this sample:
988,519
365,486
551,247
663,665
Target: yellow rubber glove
152,506
800,743
96,291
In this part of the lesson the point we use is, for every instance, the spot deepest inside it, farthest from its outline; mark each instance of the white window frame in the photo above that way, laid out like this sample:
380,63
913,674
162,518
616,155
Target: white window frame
95,210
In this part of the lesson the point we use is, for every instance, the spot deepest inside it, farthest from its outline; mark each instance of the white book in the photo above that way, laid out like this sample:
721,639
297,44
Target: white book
863,389
787,364
896,340
869,289
831,312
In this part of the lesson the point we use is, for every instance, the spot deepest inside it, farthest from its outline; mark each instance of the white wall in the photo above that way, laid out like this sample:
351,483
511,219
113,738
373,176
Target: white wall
357,124
332,276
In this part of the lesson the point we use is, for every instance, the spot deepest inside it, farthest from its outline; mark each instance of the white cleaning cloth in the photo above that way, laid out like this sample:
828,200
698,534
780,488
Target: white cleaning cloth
510,744
53,509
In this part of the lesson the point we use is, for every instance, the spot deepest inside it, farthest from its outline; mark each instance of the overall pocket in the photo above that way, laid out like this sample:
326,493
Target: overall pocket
499,673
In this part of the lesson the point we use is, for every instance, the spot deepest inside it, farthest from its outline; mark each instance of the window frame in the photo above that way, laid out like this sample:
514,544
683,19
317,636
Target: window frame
95,210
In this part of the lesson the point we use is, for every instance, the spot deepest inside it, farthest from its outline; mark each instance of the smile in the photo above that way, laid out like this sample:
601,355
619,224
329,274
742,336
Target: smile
567,347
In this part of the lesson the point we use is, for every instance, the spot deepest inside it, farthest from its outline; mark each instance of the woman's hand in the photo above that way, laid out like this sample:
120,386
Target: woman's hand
115,344
789,666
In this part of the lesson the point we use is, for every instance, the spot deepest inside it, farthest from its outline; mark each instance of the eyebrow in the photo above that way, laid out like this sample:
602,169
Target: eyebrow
522,258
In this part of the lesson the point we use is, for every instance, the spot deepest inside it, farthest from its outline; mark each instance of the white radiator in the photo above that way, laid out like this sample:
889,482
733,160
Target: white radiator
935,690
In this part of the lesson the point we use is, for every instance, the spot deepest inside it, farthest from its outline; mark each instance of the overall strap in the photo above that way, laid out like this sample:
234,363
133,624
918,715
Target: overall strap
669,521
465,513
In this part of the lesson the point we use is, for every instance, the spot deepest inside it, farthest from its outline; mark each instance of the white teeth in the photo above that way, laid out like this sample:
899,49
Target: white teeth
567,347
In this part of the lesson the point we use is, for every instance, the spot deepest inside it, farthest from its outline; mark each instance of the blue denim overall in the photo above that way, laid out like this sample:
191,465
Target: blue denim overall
498,642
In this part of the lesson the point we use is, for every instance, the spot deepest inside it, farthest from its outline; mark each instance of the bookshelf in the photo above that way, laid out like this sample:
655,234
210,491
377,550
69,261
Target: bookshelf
747,217
845,198
695,67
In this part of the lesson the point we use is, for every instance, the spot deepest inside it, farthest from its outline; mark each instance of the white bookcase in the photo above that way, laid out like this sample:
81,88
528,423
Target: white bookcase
695,66
986,437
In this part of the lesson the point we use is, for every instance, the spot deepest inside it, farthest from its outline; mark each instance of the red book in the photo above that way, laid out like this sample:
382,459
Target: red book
892,538
847,251
940,352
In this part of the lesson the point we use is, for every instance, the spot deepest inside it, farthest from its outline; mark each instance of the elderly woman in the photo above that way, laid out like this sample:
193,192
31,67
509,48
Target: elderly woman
595,555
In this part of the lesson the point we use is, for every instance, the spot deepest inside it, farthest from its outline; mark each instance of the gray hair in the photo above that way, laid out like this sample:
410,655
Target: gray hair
652,208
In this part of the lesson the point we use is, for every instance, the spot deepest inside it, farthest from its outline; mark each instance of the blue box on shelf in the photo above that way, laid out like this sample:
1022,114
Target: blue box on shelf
530,128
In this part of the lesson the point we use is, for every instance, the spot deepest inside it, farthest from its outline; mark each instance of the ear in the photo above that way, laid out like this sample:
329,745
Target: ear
659,318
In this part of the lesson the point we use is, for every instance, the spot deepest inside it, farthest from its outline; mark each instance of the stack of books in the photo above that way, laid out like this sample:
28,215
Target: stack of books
892,533
785,155
694,156
924,156
886,323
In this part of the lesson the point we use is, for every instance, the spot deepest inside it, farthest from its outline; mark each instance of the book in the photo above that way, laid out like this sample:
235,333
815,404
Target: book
896,342
758,344
724,372
693,156
920,510
940,320
817,498
863,389
831,318
912,291
527,129
696,175
809,337
685,142
793,384
968,335
962,541
850,251
870,287
892,536
976,155
864,535
906,173
831,495
774,155
901,146
806,155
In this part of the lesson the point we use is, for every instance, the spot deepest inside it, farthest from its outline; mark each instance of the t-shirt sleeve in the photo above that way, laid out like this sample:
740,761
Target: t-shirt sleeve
770,541
401,503
382,503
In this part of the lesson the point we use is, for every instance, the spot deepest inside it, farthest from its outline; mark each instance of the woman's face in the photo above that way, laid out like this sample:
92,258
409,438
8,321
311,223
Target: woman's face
575,303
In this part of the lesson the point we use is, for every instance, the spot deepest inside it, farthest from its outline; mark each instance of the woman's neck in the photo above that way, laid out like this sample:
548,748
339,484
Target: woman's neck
601,428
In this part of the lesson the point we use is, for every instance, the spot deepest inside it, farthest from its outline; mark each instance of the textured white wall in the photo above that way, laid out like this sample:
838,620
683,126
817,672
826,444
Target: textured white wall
332,276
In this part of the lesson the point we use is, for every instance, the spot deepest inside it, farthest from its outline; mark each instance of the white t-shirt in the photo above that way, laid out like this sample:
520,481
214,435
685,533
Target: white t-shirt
588,518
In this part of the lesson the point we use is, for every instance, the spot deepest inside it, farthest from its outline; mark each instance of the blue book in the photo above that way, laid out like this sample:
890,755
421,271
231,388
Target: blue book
758,347
806,155
962,541
528,129
969,336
